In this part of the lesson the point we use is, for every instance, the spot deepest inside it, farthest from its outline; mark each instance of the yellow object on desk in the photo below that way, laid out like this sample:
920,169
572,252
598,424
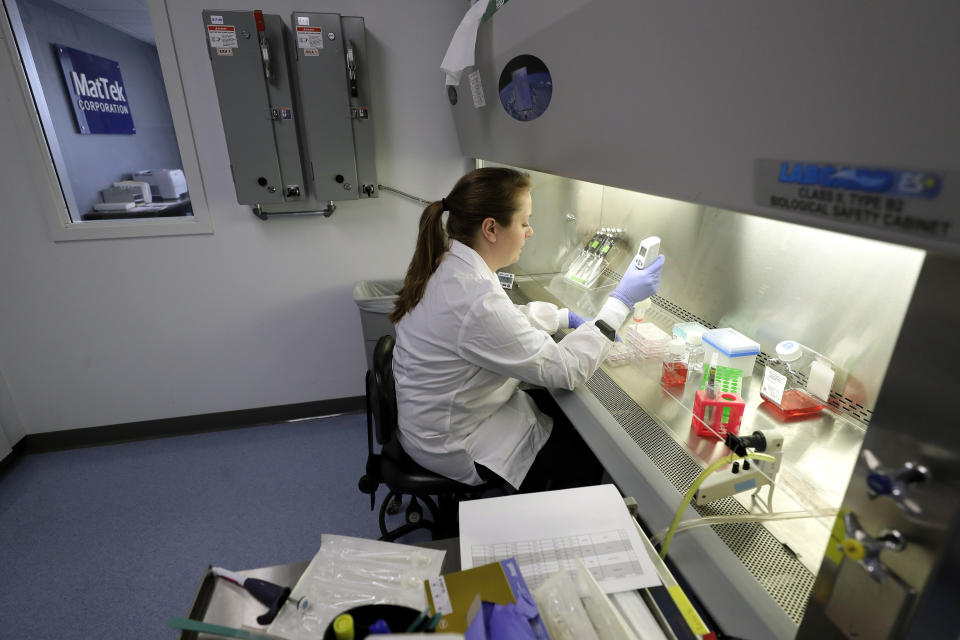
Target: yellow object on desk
343,627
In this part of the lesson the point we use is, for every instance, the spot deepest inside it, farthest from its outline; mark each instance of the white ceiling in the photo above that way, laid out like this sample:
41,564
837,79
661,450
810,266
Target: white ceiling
128,16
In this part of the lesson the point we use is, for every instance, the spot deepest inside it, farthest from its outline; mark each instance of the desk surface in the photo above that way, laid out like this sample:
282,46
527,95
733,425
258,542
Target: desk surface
224,603
158,209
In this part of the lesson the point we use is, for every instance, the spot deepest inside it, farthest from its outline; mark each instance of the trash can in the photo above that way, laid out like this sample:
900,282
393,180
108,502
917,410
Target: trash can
375,299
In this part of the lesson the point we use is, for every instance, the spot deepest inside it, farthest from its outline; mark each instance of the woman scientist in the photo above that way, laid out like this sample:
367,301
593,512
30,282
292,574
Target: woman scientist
463,347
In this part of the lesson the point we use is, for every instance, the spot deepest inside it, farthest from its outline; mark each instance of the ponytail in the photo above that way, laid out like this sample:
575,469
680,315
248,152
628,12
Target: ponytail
431,245
491,192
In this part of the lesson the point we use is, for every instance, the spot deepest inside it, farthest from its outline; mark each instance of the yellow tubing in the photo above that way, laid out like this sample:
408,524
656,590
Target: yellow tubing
688,496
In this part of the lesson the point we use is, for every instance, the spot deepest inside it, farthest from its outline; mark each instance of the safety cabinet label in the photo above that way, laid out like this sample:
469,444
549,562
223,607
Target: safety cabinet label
905,202
476,88
224,51
310,38
222,36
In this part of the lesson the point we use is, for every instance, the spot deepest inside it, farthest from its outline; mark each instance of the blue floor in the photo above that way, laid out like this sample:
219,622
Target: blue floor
110,541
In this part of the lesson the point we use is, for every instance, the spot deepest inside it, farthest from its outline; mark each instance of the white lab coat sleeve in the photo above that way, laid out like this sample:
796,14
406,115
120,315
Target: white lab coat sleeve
613,312
497,336
545,315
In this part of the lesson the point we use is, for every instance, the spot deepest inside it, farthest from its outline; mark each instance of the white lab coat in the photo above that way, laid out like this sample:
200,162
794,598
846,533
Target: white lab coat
460,356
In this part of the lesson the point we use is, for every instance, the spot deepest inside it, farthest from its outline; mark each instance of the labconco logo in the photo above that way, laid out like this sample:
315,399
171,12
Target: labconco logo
903,183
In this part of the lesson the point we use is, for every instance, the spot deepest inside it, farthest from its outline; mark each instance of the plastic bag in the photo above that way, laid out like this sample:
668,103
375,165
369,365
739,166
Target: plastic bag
561,609
351,572
377,296
604,617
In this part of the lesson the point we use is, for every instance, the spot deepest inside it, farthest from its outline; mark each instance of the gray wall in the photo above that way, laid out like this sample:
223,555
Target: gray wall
95,161
258,313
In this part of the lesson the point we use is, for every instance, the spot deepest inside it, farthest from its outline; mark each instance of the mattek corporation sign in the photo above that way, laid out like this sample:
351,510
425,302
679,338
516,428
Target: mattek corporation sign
97,94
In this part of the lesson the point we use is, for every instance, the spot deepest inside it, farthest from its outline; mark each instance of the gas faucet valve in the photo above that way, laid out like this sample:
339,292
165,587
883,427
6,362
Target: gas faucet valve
865,549
893,482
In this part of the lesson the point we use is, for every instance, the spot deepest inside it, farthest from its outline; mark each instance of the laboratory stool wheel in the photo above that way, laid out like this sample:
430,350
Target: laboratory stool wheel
414,517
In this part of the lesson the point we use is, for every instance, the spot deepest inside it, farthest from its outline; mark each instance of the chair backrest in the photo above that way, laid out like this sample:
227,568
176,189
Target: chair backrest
384,391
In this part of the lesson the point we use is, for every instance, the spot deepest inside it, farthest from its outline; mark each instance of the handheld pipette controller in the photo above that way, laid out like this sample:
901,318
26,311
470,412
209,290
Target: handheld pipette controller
648,252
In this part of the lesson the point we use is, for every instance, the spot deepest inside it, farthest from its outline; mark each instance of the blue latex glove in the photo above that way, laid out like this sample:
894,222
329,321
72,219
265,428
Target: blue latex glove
575,319
639,284
508,623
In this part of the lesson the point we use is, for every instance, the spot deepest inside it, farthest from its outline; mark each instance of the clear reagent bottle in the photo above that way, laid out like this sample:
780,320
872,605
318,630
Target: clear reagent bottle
797,382
674,364
640,309
695,351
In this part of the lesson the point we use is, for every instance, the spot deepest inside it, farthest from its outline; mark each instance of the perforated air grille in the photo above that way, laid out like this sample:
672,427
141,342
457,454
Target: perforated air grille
680,312
768,560
848,407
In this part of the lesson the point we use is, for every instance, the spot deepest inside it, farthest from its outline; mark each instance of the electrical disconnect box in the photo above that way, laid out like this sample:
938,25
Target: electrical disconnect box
295,104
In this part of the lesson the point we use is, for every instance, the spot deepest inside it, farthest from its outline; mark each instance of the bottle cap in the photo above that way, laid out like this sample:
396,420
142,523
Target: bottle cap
694,338
676,347
640,309
343,627
788,350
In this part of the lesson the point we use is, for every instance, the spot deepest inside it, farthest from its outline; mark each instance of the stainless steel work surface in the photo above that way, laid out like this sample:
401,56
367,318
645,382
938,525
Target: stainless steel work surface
819,452
770,280
635,412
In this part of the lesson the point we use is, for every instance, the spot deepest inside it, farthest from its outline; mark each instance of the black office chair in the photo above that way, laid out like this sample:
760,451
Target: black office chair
394,468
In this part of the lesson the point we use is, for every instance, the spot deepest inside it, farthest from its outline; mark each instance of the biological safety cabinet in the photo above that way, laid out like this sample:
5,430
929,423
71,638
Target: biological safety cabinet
745,135
294,98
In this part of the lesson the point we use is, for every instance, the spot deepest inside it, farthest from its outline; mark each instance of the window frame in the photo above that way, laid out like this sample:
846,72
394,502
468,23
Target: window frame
45,165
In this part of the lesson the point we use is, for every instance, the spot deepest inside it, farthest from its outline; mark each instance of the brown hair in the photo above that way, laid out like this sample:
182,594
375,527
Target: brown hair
491,192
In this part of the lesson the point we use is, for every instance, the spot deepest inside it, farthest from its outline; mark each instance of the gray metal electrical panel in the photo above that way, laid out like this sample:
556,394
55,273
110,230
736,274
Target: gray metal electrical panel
295,103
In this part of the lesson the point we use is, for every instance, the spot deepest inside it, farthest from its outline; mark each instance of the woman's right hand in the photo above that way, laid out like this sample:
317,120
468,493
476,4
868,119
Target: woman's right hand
639,284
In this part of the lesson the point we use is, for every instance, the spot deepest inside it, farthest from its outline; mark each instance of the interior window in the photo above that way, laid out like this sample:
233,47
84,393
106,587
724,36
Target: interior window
96,81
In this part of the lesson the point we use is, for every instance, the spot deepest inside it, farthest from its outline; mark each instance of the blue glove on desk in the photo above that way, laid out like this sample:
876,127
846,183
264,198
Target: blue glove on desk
639,284
575,319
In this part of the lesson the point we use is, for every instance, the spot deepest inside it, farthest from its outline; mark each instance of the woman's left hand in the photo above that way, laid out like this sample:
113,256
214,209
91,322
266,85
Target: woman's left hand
575,319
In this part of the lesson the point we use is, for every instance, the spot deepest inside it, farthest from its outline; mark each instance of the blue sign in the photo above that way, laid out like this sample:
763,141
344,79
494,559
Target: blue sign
97,94
917,184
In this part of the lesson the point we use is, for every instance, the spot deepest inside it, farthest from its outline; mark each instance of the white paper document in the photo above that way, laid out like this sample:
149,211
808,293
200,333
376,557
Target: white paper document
546,531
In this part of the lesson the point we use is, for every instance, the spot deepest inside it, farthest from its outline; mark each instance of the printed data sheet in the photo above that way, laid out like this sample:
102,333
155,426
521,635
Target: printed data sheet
546,531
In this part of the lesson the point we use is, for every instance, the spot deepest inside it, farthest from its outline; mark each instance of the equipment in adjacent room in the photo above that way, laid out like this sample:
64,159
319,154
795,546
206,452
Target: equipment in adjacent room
168,184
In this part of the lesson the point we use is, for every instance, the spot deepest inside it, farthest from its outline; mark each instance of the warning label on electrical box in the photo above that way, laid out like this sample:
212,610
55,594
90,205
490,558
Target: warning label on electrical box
902,202
310,37
476,88
222,36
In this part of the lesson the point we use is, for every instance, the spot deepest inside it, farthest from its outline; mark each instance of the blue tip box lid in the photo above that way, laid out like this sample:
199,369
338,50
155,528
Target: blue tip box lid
731,342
